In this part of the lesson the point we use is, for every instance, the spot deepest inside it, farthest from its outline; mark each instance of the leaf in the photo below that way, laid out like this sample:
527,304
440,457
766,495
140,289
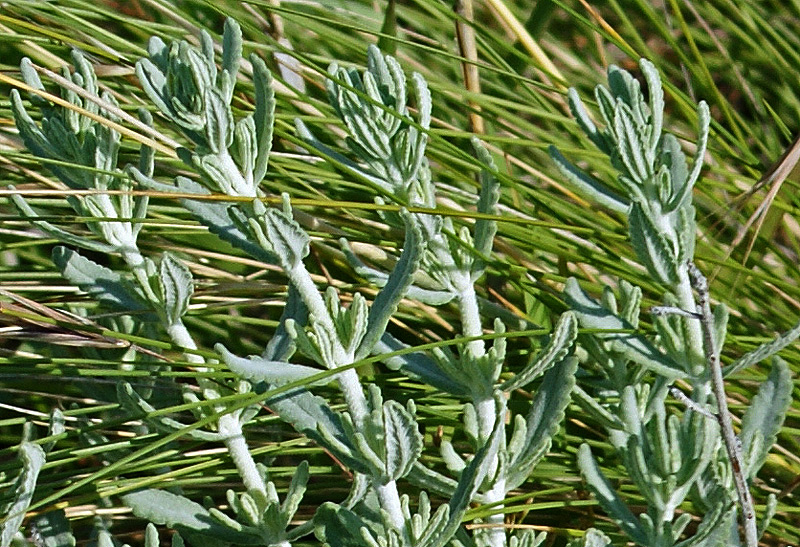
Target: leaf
402,439
652,246
99,282
445,524
557,347
587,185
258,369
231,54
543,420
32,459
486,229
387,300
638,349
214,215
219,122
339,527
62,235
765,414
379,279
135,404
289,241
763,351
176,285
608,498
418,365
184,515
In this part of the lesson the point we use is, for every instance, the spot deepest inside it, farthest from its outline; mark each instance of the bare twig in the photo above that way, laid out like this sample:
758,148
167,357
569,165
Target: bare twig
732,443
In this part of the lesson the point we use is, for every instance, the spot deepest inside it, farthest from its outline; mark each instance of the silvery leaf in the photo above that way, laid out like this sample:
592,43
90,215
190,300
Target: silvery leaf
258,369
402,439
652,246
289,241
32,458
765,414
134,403
763,351
543,420
634,347
165,508
608,498
588,185
176,287
387,300
558,346
98,281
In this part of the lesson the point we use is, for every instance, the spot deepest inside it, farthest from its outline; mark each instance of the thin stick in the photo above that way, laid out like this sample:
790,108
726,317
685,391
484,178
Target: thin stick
690,404
732,443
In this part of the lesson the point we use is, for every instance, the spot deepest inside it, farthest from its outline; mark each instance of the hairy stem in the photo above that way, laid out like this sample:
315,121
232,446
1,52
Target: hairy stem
233,437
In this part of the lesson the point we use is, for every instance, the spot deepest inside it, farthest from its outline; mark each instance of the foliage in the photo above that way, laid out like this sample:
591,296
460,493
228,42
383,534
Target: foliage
327,298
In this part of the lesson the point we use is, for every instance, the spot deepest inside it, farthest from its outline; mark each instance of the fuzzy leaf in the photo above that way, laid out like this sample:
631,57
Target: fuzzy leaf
558,346
608,498
442,529
184,515
135,404
32,459
765,414
98,281
219,122
56,232
587,185
652,246
543,421
176,285
258,369
214,215
403,441
387,300
593,315
763,351
419,365
289,241
339,527
487,202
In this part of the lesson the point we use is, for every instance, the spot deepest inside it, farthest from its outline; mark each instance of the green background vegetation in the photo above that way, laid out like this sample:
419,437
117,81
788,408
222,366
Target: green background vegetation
742,57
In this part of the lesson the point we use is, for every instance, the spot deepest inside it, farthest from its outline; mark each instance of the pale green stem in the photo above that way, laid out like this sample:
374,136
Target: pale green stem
390,502
471,318
693,335
231,430
348,379
485,409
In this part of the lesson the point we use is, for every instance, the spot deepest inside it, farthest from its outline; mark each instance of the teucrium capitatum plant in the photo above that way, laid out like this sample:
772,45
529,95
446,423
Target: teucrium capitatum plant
671,457
377,439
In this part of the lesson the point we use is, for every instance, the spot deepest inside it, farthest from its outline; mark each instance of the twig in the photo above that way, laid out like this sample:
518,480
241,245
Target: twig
690,404
732,443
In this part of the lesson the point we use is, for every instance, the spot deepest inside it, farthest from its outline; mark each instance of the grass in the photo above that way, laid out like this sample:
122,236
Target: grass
741,57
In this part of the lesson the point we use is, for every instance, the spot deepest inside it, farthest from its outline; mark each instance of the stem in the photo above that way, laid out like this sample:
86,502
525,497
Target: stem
695,352
348,379
487,417
471,318
236,444
180,336
732,442
485,409
390,502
